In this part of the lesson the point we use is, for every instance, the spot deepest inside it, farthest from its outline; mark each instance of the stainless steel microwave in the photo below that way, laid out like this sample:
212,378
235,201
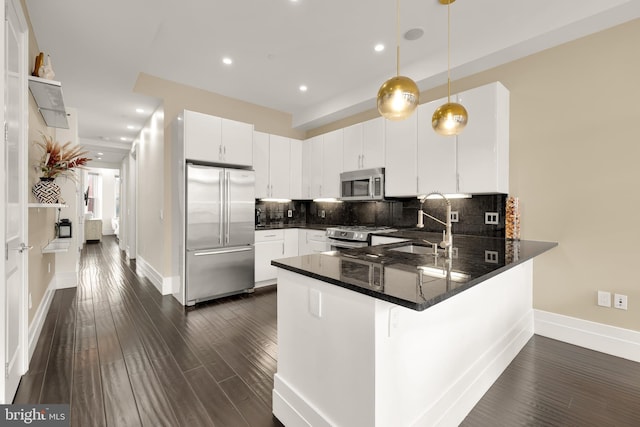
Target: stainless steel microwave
362,185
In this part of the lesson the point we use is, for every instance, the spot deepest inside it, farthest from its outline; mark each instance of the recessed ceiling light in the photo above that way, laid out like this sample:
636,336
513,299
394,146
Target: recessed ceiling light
139,110
379,47
99,154
122,138
227,61
99,158
303,88
132,127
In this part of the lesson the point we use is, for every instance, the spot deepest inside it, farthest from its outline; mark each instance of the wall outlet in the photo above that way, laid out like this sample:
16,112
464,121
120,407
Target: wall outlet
322,213
620,301
454,216
604,299
49,268
289,213
491,257
491,218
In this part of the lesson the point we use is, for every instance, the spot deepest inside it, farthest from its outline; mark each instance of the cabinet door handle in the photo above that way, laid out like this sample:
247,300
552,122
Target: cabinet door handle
282,248
362,164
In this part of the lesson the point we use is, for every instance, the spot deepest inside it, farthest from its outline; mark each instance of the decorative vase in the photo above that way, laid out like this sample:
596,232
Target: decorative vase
46,191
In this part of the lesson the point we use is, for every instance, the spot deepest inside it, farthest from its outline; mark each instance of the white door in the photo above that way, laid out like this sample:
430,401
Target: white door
14,198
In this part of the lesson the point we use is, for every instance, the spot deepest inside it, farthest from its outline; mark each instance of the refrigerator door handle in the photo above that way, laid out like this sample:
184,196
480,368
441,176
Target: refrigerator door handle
223,251
222,199
228,197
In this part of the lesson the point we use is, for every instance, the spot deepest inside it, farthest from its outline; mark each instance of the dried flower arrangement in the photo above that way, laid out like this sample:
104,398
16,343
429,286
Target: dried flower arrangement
60,159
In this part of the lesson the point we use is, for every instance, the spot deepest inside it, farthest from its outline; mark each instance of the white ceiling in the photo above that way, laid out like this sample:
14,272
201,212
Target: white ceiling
98,48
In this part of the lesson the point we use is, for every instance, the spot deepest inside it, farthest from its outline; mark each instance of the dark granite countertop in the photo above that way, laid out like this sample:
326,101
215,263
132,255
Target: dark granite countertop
413,280
285,226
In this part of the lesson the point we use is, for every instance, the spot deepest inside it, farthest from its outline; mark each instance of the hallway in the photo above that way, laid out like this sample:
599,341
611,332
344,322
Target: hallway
123,355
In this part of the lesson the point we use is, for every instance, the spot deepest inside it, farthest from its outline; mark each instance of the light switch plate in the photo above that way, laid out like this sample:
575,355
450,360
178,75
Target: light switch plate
604,299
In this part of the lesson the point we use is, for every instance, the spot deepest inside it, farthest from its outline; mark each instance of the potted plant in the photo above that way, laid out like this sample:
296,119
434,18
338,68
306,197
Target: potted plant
57,160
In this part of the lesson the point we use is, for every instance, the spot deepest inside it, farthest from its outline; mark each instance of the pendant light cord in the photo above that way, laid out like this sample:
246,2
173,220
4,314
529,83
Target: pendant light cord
448,52
398,38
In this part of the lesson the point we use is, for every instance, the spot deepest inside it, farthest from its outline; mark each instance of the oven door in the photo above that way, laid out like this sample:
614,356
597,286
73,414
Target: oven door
337,244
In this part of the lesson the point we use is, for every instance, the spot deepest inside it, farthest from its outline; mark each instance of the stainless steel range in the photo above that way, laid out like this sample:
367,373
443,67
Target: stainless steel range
353,236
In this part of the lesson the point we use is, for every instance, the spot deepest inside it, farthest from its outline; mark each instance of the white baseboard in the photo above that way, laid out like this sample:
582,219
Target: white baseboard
35,328
264,283
145,269
168,284
606,339
68,279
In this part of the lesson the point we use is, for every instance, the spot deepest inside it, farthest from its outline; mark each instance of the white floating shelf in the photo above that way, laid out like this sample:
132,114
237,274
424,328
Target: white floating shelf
47,205
57,245
48,96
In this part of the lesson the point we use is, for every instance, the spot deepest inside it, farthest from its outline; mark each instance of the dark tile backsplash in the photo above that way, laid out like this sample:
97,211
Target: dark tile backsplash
394,213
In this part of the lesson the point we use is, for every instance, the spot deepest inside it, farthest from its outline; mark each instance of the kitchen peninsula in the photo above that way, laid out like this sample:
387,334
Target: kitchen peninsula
393,335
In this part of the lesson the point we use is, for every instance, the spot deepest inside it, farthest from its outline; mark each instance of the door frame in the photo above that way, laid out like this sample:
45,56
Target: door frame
23,359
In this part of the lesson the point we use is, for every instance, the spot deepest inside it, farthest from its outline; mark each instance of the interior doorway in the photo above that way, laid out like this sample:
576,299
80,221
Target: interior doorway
14,295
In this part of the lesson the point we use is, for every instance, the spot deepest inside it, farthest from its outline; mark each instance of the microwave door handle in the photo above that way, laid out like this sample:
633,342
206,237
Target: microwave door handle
371,187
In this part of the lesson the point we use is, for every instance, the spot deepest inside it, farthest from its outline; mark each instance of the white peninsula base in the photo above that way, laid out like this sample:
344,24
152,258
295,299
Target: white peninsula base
347,359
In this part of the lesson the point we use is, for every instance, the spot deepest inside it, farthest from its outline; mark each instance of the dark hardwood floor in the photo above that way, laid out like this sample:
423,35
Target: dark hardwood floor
121,354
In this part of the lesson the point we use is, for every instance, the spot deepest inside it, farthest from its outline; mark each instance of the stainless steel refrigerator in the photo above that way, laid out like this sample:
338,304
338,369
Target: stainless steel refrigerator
220,226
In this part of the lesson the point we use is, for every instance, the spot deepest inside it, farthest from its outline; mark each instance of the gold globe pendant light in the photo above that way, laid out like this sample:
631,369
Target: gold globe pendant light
450,118
398,96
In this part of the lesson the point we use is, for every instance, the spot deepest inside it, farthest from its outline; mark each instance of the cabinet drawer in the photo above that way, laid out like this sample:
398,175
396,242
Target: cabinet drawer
269,235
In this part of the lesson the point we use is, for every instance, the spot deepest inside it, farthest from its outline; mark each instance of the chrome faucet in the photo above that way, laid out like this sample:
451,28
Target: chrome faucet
447,236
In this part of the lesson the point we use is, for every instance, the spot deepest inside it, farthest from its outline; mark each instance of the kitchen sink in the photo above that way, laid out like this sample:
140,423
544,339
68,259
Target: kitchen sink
414,249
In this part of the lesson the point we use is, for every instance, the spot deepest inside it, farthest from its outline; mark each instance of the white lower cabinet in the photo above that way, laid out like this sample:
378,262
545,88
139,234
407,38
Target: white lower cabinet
291,242
312,242
269,245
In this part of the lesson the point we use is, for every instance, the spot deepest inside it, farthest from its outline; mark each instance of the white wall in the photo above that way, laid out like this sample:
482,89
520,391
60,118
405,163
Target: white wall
151,196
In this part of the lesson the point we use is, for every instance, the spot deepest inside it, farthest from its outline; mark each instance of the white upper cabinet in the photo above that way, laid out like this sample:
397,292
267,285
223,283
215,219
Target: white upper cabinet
483,146
279,163
401,147
364,145
437,169
331,163
314,165
373,143
236,146
272,165
261,164
352,148
307,154
202,136
216,140
295,169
